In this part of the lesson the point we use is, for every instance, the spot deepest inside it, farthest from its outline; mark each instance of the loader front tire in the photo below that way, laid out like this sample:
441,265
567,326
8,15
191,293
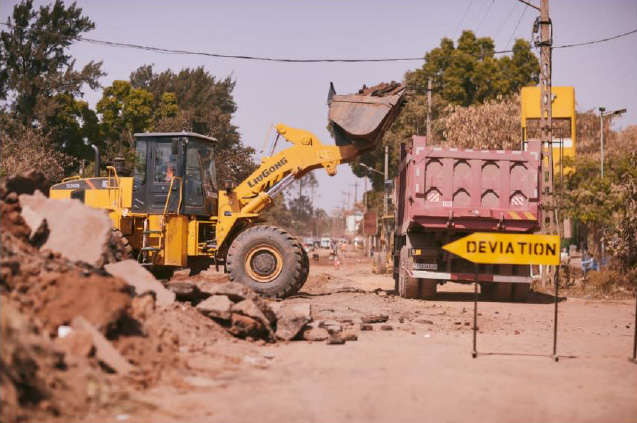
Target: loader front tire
268,260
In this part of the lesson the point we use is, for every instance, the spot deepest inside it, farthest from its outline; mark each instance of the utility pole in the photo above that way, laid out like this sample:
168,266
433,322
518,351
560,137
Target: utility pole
548,223
601,133
429,138
386,177
355,193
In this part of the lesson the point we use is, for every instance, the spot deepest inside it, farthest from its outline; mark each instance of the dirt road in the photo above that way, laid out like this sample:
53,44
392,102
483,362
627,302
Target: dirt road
421,371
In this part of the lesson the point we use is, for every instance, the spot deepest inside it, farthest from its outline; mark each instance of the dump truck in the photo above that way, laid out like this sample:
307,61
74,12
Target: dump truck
171,213
444,194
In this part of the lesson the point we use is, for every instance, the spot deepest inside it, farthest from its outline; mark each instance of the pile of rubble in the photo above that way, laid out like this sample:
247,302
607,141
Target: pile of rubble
74,336
81,324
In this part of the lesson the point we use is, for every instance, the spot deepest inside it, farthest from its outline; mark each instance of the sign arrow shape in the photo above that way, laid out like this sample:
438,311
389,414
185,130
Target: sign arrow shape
497,248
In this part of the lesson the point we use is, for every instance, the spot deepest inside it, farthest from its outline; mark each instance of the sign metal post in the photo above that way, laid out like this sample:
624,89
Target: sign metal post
498,248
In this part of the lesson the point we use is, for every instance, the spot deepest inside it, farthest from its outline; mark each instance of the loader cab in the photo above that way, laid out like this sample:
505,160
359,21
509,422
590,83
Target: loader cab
174,172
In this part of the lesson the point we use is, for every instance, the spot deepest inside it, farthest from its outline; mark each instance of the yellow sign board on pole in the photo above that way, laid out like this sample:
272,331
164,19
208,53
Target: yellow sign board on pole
497,248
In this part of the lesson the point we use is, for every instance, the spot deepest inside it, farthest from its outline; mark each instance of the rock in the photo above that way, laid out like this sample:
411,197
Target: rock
38,225
143,306
375,318
349,335
79,233
77,342
386,327
249,308
335,340
104,351
216,307
141,280
316,334
185,290
291,318
235,291
366,327
425,322
244,327
331,326
27,182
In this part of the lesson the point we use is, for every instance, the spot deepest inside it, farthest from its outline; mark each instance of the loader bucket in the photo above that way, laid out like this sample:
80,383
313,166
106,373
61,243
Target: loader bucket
361,119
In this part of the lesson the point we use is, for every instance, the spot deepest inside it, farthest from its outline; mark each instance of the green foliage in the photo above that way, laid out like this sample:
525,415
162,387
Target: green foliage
36,66
470,73
194,100
125,110
471,100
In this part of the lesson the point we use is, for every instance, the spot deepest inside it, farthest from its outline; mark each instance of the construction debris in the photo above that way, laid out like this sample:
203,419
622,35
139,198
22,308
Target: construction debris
77,232
104,351
291,318
141,280
216,307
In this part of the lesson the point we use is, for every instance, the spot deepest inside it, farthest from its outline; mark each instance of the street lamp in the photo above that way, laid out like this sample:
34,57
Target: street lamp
601,132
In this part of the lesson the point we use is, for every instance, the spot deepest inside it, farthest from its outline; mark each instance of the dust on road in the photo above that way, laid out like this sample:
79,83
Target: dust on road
420,370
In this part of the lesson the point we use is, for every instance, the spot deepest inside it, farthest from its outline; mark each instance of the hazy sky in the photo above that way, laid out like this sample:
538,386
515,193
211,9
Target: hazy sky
295,94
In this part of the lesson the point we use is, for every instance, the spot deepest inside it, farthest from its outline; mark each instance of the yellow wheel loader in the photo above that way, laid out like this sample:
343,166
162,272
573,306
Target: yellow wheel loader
172,213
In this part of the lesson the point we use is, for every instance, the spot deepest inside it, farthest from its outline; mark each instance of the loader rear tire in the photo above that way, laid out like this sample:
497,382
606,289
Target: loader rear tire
268,260
379,262
126,251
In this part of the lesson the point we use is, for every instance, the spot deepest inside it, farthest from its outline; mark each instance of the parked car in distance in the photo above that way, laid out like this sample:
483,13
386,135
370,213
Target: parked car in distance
326,242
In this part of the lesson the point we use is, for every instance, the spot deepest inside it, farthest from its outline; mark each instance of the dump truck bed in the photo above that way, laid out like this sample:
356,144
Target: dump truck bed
468,190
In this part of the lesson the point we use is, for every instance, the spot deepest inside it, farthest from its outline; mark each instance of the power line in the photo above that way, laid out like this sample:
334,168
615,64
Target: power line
515,5
462,20
485,16
273,59
587,43
516,27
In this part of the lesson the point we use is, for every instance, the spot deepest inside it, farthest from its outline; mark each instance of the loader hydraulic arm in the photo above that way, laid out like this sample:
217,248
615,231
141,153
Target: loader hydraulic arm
277,172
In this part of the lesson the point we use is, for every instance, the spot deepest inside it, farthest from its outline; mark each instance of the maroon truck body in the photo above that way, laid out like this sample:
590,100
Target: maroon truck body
443,194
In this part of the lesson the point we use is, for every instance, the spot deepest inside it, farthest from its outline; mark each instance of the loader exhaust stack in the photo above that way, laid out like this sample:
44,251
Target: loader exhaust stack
362,119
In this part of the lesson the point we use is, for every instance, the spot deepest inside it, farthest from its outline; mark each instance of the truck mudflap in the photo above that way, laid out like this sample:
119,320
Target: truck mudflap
361,119
467,277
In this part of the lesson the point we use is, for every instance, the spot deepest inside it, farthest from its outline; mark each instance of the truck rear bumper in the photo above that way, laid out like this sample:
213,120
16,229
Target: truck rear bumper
468,277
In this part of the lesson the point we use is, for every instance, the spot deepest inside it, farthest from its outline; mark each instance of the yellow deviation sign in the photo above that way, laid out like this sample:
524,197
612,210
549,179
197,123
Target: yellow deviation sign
495,248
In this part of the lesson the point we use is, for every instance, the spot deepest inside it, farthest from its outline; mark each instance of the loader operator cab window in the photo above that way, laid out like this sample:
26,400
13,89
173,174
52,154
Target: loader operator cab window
139,168
200,182
165,162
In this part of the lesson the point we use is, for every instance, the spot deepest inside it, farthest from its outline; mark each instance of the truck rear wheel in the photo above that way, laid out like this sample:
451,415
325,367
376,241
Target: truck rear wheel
379,262
428,288
521,292
268,260
407,286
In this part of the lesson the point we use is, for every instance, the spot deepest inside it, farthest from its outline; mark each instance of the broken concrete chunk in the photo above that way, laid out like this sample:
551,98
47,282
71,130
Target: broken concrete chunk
331,326
386,327
104,351
235,291
335,340
216,307
186,291
349,335
291,318
375,318
366,327
79,233
77,342
316,334
141,280
244,327
250,309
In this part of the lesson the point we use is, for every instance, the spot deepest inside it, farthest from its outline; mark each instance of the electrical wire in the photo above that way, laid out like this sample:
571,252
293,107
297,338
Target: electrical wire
285,60
516,26
455,32
484,17
506,20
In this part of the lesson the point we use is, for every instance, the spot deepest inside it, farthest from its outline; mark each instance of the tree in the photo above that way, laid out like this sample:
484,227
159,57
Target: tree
470,73
36,67
462,76
26,148
195,100
125,110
